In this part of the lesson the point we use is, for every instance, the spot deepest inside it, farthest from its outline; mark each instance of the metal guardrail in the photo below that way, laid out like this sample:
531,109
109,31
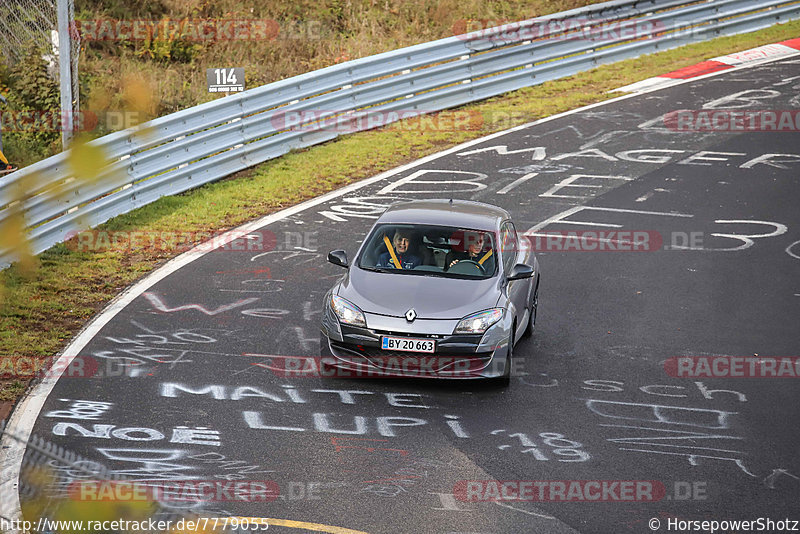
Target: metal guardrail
204,143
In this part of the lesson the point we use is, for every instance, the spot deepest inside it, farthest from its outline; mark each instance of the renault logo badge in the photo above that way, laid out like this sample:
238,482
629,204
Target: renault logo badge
411,315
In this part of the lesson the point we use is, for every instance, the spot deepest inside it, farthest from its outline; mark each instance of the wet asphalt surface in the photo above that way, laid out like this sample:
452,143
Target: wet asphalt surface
193,393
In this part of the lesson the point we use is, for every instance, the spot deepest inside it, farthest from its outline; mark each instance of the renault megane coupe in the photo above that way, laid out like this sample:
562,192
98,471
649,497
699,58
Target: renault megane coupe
439,288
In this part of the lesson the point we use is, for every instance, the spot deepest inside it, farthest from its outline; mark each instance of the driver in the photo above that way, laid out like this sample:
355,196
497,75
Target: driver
474,246
400,244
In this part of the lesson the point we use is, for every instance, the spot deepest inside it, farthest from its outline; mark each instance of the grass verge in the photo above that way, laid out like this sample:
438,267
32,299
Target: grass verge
42,308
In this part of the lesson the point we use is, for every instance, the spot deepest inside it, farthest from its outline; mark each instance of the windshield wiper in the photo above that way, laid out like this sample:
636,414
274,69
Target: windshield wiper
377,269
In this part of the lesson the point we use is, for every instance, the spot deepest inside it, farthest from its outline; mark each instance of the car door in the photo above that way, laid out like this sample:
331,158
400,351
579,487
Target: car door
516,290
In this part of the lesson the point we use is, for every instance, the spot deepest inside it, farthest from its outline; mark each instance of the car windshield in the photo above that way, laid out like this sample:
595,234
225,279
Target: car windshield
430,251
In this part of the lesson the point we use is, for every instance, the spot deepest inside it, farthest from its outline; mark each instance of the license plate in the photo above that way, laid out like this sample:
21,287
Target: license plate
407,344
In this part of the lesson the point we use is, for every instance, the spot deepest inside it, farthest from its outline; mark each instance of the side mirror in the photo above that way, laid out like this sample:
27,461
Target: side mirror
520,271
338,257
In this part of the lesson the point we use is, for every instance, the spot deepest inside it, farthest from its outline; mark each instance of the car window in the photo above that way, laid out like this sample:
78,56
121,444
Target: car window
428,250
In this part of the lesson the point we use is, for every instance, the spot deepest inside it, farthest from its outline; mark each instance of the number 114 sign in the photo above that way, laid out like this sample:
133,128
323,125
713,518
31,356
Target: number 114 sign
225,80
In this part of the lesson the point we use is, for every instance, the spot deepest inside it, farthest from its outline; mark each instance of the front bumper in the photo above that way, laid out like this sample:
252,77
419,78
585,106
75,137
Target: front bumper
358,352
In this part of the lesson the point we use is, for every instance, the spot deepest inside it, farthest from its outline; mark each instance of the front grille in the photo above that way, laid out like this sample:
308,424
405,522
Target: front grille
375,352
388,359
406,334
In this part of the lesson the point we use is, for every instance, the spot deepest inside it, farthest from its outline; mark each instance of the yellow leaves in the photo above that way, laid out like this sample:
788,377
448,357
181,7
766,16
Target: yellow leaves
12,233
85,161
39,477
14,238
86,164
137,95
99,100
140,102
36,479
43,499
14,245
86,511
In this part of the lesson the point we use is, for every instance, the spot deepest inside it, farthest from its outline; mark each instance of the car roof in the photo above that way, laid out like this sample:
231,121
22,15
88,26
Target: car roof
446,212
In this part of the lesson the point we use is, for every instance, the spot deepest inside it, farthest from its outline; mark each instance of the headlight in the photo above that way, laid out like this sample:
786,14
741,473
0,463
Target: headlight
347,312
477,323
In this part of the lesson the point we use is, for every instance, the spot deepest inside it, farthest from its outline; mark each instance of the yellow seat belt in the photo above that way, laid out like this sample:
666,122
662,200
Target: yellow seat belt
391,252
3,157
485,257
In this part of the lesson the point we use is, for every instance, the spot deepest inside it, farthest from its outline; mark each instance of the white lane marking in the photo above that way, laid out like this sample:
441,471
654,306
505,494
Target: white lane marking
623,210
585,223
555,217
516,182
538,151
504,505
656,82
27,410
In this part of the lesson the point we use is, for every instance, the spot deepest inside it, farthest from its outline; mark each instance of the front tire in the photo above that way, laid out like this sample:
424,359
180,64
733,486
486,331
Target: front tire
531,324
505,380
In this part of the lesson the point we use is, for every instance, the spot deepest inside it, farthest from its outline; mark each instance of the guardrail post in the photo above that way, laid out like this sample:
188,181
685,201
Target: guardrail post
3,101
65,71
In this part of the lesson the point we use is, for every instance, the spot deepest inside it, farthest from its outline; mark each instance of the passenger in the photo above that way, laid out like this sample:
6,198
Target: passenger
474,250
400,244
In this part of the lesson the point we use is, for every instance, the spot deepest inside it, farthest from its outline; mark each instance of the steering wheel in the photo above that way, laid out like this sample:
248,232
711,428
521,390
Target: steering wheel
468,262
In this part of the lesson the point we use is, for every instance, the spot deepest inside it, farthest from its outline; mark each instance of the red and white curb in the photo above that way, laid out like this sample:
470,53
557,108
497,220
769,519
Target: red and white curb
738,59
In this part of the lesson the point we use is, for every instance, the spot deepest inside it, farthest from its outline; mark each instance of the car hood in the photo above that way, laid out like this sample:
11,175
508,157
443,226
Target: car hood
431,297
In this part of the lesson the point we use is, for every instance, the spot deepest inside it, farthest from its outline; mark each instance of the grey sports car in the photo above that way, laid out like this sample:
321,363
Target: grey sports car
439,288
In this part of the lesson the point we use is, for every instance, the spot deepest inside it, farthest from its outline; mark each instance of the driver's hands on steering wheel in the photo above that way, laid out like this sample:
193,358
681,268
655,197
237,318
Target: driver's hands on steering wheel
472,262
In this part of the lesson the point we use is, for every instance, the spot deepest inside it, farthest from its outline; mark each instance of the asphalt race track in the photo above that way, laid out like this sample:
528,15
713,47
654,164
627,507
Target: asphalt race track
194,390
